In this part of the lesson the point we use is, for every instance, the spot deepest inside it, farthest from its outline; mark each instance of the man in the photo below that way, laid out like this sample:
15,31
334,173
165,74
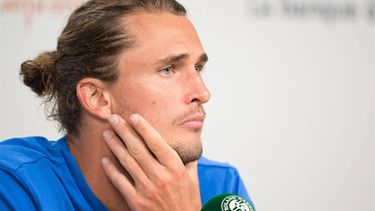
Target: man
125,85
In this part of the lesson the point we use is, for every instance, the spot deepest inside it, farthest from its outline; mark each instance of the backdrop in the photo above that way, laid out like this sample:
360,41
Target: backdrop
293,96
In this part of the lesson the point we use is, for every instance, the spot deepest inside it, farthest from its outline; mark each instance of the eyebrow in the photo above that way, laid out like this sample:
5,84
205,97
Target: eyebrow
203,58
176,58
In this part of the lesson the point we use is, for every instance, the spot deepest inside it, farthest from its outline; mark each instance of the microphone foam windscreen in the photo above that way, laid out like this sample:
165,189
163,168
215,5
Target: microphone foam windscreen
227,202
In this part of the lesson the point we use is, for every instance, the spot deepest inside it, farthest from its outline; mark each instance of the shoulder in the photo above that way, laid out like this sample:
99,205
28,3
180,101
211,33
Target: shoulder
28,167
17,152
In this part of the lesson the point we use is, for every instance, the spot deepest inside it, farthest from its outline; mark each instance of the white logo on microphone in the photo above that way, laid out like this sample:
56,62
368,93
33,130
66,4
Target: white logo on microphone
235,203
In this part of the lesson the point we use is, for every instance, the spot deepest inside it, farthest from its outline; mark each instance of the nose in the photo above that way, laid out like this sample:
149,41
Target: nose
197,90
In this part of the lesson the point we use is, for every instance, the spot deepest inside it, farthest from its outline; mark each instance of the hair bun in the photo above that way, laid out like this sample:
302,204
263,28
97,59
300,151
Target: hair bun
36,73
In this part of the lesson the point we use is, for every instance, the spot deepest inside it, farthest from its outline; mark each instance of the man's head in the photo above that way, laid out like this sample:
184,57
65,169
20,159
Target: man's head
124,57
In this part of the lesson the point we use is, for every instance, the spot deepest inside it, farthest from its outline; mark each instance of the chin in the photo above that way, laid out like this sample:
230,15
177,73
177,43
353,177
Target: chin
189,151
187,158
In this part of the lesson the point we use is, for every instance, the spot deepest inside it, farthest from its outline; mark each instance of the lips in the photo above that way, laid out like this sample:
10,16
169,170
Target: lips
195,121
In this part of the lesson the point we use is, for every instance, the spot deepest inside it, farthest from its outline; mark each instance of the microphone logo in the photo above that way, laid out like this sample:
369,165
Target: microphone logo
235,203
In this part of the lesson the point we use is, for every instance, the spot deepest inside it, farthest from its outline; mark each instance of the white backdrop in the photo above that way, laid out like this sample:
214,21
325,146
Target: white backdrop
293,95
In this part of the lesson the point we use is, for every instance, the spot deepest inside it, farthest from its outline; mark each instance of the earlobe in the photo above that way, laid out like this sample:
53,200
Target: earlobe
94,98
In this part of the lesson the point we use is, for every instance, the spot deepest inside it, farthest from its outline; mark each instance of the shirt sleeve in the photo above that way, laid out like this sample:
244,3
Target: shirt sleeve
13,194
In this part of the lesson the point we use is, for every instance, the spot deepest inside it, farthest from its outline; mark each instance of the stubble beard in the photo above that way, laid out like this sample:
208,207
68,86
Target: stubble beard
189,152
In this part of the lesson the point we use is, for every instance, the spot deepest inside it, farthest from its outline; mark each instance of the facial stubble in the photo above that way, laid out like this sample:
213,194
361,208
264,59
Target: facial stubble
187,150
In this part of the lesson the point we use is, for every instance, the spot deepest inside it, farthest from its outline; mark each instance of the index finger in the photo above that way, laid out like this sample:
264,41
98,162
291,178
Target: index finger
157,145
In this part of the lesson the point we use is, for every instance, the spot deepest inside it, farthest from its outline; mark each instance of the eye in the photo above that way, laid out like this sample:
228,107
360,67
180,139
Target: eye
166,71
199,68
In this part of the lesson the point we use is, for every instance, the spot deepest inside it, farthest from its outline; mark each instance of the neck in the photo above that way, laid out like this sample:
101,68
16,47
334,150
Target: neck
88,148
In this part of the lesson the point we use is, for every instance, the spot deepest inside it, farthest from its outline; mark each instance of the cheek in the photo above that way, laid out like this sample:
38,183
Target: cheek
156,102
150,96
150,104
158,113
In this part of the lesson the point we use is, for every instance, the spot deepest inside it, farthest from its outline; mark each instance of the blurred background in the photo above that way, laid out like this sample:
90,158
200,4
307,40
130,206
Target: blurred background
293,93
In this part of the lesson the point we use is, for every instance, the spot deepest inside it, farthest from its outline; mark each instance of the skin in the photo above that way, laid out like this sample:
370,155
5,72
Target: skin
140,136
165,93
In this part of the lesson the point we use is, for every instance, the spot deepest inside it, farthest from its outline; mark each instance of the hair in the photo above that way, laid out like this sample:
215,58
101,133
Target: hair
87,47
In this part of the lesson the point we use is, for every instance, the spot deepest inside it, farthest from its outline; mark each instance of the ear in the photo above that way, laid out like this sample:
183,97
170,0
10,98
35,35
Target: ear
94,97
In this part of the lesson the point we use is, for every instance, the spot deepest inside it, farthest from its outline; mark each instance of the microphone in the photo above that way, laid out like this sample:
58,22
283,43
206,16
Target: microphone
227,202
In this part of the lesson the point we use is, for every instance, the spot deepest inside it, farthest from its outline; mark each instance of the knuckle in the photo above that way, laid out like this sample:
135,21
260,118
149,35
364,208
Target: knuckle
138,205
125,159
177,172
133,150
149,192
154,144
162,181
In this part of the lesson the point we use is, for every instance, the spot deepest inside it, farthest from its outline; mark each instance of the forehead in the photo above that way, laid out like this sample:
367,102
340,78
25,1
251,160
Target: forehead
158,35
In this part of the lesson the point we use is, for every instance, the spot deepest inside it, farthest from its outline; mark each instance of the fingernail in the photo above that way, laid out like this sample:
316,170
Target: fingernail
134,118
104,161
107,135
113,119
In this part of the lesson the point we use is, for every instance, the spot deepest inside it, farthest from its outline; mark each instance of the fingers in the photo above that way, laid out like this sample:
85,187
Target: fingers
135,146
160,178
118,179
124,157
158,146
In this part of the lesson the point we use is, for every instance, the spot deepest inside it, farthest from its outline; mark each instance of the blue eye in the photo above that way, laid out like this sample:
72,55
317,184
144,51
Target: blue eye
167,71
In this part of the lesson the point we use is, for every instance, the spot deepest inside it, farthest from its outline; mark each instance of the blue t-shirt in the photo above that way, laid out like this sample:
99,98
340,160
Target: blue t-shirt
37,174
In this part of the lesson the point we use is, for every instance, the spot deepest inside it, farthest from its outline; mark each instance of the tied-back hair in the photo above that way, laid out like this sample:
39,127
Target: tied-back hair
87,47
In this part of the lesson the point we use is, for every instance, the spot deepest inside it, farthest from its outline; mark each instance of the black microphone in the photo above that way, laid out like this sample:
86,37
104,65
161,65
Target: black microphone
227,202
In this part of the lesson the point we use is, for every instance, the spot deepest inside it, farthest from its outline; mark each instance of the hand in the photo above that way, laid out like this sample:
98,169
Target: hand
159,179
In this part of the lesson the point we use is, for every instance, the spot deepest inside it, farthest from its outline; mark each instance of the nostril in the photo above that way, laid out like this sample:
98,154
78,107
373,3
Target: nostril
195,100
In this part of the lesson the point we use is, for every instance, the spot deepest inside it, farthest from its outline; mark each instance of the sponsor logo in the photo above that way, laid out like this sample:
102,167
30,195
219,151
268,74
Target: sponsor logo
235,203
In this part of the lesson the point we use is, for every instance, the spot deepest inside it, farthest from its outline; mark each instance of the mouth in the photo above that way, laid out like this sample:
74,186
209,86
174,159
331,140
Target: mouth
196,121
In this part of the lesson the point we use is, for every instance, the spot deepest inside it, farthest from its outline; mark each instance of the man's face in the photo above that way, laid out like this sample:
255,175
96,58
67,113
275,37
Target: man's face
160,80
